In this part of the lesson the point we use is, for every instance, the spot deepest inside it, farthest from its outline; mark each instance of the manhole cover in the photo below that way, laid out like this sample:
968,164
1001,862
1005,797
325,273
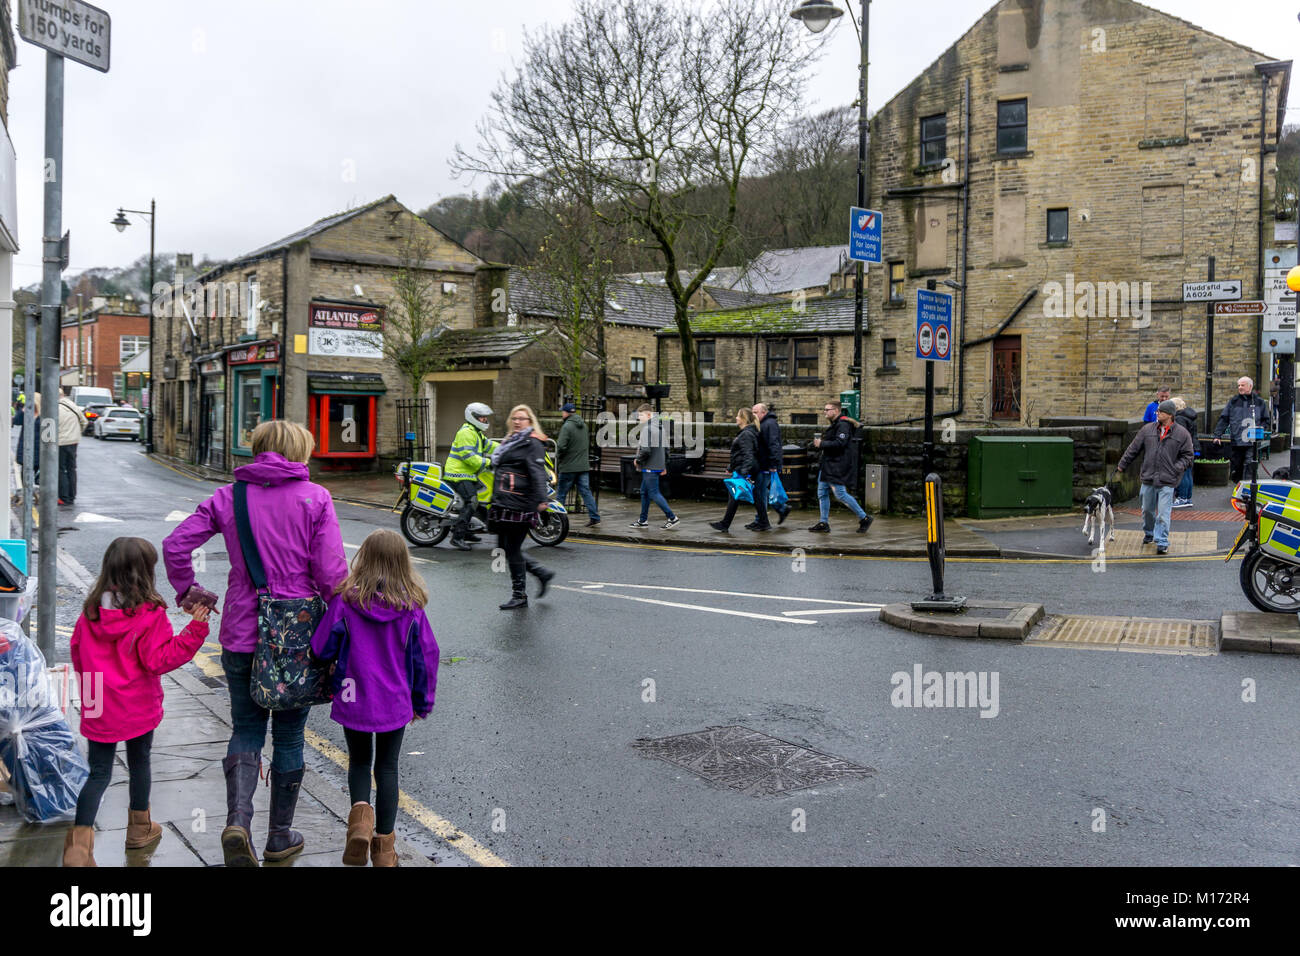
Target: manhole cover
737,758
1128,634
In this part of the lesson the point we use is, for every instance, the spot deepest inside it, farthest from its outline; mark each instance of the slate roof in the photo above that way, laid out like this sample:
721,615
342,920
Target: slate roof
738,298
468,344
828,314
627,303
786,270
721,275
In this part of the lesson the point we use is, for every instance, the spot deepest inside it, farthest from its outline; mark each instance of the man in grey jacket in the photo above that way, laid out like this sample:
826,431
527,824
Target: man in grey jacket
1167,453
652,461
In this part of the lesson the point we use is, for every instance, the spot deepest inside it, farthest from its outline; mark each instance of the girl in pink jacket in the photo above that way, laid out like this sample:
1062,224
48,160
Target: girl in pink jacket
121,646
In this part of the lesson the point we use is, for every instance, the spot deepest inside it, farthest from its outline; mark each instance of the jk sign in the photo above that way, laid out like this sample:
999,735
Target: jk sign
933,326
864,234
69,28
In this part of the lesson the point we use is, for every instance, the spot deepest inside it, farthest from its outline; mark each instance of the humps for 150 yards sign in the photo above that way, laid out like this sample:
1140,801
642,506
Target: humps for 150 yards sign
69,28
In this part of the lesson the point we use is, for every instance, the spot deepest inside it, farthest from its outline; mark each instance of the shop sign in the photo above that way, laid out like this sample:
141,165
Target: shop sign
266,352
345,331
211,367
352,318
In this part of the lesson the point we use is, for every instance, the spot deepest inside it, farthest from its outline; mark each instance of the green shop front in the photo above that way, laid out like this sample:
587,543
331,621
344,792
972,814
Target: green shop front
254,376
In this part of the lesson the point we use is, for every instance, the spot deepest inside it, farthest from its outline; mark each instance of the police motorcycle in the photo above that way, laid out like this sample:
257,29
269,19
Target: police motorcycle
1270,564
430,505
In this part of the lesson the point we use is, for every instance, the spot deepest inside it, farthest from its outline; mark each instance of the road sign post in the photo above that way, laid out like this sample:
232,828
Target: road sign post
933,344
865,228
80,32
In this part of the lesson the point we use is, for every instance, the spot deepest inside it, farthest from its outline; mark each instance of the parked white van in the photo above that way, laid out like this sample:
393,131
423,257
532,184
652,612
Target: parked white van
83,395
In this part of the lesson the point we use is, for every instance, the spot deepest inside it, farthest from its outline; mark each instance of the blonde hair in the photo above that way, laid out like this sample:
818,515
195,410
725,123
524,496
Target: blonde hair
1179,402
532,417
288,439
748,415
382,569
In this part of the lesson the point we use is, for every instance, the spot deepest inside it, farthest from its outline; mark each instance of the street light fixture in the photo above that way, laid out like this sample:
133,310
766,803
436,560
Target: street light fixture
816,16
120,222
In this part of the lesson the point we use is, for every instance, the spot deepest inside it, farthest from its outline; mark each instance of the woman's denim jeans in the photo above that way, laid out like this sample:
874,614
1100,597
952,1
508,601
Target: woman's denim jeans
250,720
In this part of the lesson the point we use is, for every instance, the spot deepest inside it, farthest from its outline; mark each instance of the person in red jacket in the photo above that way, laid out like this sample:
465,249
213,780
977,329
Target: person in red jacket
121,646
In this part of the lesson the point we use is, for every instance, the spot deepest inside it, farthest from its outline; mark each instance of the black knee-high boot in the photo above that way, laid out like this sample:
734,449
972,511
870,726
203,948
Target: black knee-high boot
519,597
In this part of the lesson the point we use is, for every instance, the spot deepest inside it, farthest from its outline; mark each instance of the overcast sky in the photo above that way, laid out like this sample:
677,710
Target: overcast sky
249,119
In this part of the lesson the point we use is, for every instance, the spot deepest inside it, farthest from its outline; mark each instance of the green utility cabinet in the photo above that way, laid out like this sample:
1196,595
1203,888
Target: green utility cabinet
1019,475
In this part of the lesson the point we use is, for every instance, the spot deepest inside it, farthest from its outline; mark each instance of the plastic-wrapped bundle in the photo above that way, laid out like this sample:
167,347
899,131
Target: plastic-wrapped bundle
37,748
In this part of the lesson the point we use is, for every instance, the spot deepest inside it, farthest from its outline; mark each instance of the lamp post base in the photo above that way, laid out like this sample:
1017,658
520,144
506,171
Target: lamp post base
940,602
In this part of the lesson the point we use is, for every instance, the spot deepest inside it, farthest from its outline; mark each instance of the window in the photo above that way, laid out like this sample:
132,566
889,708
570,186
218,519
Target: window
250,307
778,358
1013,126
707,354
1058,225
934,139
889,353
803,418
637,377
344,425
130,346
805,358
897,276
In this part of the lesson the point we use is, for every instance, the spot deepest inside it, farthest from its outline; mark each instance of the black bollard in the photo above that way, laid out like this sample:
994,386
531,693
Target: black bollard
937,601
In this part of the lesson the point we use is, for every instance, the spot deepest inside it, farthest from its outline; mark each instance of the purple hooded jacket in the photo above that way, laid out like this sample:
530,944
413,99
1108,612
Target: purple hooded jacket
296,531
389,656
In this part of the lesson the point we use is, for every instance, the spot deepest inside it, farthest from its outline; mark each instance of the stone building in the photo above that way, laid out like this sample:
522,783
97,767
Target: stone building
294,329
8,237
1071,165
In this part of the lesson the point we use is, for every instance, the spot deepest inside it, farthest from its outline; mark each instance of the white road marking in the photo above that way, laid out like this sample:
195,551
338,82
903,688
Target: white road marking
355,547
837,610
688,607
87,517
770,597
177,516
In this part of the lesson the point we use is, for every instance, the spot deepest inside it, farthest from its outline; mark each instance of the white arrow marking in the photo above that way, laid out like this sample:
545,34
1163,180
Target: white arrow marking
87,518
836,610
769,597
688,607
177,516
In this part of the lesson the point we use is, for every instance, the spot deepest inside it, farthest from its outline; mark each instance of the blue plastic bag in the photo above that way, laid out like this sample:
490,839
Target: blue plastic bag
38,750
742,489
776,496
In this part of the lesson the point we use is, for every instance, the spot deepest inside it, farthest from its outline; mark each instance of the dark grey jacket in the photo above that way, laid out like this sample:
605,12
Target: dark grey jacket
744,452
1234,416
769,443
652,447
1163,461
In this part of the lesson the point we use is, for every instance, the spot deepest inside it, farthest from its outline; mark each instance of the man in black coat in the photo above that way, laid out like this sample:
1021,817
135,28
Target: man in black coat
839,466
1244,411
769,463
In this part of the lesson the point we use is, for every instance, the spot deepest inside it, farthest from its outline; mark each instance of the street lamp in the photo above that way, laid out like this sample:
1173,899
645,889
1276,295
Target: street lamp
816,15
120,222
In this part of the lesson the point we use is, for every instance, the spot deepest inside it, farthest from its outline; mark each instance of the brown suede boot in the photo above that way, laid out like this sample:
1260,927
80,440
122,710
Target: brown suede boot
141,831
79,847
382,850
361,829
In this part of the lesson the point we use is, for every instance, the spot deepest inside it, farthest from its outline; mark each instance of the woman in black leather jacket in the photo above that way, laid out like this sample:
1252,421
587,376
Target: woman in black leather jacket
519,492
744,462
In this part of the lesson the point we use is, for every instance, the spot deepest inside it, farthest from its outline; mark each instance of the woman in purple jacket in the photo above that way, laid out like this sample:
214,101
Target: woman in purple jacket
297,535
385,672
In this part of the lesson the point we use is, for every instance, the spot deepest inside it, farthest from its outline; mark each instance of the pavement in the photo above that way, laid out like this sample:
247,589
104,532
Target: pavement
1206,529
189,793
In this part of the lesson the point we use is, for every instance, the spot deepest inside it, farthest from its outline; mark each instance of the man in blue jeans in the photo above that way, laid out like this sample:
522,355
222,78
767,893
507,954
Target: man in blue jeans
839,465
1166,453
652,461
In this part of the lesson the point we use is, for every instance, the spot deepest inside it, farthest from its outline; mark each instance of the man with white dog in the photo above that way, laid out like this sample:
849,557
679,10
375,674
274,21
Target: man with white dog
1167,453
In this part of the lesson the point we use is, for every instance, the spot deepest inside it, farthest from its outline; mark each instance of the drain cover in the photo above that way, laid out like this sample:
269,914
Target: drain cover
737,758
1128,634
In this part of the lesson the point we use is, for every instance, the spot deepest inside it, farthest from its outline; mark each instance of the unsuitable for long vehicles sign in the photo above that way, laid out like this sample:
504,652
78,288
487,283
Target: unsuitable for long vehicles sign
69,28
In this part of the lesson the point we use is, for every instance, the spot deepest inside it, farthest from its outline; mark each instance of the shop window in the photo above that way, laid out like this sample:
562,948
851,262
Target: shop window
637,375
1013,126
344,425
934,139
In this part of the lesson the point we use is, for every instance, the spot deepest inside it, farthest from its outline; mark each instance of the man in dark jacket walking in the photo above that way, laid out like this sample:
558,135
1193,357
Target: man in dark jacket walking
839,465
769,463
1167,453
571,461
1245,411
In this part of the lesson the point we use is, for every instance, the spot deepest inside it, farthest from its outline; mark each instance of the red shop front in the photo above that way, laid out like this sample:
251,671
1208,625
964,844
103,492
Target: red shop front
342,413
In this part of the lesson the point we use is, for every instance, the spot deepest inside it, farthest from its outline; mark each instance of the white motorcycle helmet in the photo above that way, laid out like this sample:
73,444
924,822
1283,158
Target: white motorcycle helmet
476,411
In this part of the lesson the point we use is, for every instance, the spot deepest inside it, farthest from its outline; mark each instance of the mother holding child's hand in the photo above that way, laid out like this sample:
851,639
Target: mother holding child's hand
297,535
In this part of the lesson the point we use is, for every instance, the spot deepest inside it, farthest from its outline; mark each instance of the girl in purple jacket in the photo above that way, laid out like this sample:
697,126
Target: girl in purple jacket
385,671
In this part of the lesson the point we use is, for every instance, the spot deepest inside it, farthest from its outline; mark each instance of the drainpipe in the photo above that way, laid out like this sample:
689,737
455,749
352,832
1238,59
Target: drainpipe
284,333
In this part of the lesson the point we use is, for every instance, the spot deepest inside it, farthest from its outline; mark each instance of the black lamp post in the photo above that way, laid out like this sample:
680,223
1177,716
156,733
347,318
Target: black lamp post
121,222
816,16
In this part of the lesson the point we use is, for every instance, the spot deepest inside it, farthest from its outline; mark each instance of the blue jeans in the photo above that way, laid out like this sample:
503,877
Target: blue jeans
1185,485
1157,503
762,481
567,480
824,490
250,720
650,492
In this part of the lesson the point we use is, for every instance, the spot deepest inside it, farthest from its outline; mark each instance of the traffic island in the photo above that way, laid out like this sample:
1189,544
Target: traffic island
1003,620
1260,632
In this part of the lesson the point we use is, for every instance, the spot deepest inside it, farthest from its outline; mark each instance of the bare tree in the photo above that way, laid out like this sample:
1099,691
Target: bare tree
812,170
638,105
413,321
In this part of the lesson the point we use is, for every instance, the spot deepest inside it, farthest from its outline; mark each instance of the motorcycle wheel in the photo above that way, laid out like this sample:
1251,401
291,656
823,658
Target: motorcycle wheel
1270,584
421,528
553,529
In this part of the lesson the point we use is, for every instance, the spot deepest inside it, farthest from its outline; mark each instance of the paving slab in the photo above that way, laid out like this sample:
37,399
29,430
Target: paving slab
1260,632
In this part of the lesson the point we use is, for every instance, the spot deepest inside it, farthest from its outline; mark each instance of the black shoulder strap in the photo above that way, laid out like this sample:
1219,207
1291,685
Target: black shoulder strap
247,544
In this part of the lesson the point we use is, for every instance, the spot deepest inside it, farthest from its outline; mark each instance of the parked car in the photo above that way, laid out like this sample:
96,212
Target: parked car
93,413
83,395
117,422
